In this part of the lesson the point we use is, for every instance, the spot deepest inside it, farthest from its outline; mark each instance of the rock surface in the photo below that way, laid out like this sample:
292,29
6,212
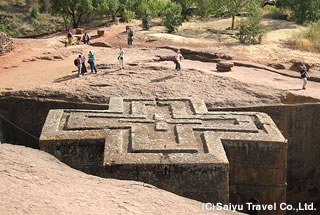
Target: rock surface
224,66
34,182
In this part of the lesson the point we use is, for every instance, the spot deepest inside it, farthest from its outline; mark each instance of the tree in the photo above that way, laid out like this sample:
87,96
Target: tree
206,7
73,10
171,16
186,7
252,29
305,11
112,8
232,8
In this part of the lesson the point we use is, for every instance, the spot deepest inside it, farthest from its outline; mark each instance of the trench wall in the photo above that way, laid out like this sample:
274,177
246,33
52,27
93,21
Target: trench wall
300,124
30,115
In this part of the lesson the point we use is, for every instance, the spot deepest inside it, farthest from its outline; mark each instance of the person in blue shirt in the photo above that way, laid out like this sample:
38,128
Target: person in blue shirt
91,61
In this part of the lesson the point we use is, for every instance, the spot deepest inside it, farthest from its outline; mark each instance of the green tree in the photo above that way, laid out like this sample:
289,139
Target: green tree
206,7
252,29
171,16
153,6
73,10
305,11
186,7
232,8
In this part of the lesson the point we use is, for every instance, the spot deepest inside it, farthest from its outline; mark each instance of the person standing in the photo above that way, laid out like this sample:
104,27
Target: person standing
130,37
121,58
91,61
85,38
69,36
177,60
304,76
83,62
79,65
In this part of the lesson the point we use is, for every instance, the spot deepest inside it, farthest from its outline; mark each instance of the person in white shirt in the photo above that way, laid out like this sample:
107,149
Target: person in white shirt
121,58
178,59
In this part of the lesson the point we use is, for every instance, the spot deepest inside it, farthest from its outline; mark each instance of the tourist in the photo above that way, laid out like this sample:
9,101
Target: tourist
91,61
304,76
177,60
121,58
69,36
83,62
130,37
79,65
86,39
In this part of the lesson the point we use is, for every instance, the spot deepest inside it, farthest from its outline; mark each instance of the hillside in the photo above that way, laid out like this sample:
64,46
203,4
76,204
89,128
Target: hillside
17,18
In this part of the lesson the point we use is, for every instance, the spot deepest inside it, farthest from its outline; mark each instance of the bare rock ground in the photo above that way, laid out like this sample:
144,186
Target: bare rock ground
34,182
47,65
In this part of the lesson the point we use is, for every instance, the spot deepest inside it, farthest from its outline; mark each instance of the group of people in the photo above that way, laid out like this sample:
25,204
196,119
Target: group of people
81,59
176,59
80,63
85,38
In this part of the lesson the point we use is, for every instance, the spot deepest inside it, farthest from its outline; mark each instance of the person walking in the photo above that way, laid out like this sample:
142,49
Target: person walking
91,61
130,37
69,36
304,76
121,58
177,60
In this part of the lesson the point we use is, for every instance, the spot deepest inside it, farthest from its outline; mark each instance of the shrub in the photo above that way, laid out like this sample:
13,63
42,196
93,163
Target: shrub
146,20
4,5
171,17
34,13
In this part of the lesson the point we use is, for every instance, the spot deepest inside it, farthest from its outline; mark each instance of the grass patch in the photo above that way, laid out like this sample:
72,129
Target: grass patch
308,40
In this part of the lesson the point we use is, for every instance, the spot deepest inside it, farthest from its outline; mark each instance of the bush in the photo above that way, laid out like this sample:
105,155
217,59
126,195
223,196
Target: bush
34,13
2,29
171,17
4,5
146,20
